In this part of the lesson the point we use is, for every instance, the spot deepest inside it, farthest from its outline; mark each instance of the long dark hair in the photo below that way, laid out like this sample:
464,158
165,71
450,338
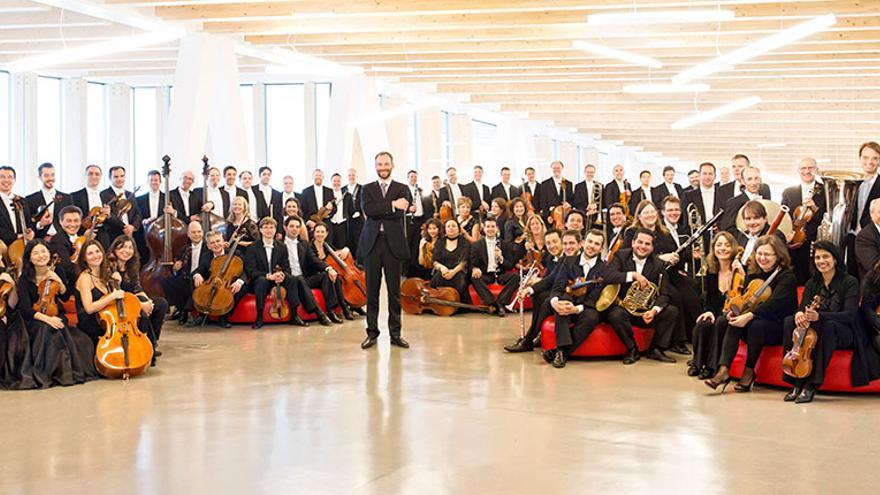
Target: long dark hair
132,267
28,270
839,266
83,266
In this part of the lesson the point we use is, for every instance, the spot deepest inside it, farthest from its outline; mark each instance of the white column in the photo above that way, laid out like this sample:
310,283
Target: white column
543,155
74,133
568,156
24,130
259,158
118,125
430,145
311,152
462,143
163,106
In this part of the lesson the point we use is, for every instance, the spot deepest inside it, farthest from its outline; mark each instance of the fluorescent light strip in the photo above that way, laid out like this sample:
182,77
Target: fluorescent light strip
752,50
376,68
764,146
618,54
665,88
713,114
660,17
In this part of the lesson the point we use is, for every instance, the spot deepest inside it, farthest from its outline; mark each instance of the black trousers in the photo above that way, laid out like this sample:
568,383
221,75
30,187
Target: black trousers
684,295
458,282
707,344
381,260
663,325
338,234
355,225
510,281
413,237
263,285
332,291
152,324
573,330
541,309
757,334
801,263
178,291
832,335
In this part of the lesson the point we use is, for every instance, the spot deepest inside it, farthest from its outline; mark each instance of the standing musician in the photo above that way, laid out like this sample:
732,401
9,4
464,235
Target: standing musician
229,175
184,200
869,190
383,246
287,191
755,219
127,223
557,254
693,181
291,209
10,224
480,193
809,195
467,222
576,316
684,292
432,200
498,211
762,325
724,174
217,248
616,188
733,189
338,221
356,220
415,217
836,323
641,266
431,233
266,263
59,354
268,198
90,197
186,270
62,243
554,192
667,188
218,198
451,256
532,186
247,179
504,189
124,261
240,221
47,195
706,196
452,191
315,197
867,245
333,295
93,291
490,260
151,204
643,192
588,195
719,277
751,176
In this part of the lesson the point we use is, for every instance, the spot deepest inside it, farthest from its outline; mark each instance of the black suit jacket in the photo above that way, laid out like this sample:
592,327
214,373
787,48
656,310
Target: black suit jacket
731,210
571,271
274,207
637,197
355,198
727,191
7,233
256,264
114,224
177,203
623,263
36,200
309,201
379,212
498,192
198,192
143,203
553,269
446,195
791,197
611,193
865,217
548,197
475,196
204,266
659,193
582,195
480,257
867,248
696,197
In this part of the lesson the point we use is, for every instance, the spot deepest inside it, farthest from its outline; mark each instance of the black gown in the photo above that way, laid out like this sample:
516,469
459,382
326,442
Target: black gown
39,356
450,259
86,322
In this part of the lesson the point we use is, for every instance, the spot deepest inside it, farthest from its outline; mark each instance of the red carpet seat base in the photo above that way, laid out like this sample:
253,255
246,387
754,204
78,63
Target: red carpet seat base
246,311
495,289
602,342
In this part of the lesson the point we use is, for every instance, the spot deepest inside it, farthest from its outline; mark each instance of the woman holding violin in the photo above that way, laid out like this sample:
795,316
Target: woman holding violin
760,323
719,276
239,216
59,354
125,261
431,231
836,324
469,224
320,248
451,254
16,361
534,247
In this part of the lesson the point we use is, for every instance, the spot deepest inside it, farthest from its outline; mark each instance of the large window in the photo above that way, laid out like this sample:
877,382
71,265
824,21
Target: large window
5,118
484,151
49,120
446,138
412,138
285,131
322,120
145,147
96,124
247,106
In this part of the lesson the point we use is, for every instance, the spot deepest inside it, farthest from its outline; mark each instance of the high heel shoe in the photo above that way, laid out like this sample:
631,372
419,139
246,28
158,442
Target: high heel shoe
744,385
721,379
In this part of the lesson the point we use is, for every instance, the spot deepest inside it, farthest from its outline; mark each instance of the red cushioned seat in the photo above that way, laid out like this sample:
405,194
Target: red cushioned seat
246,311
601,342
69,308
769,370
495,289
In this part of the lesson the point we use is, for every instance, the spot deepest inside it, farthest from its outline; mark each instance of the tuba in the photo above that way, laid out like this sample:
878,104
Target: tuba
841,194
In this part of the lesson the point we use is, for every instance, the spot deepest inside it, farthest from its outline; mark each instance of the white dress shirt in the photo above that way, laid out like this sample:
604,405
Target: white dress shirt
285,196
154,204
456,193
417,200
194,259
590,184
670,186
252,204
708,200
184,197
94,196
268,247
673,231
338,215
232,191
293,254
479,187
267,193
737,188
506,188
750,246
492,266
215,197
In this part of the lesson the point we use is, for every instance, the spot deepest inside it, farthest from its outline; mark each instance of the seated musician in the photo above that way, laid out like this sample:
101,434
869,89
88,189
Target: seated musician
93,290
328,279
515,226
615,228
870,304
647,217
836,322
719,276
762,325
57,354
239,220
292,209
125,260
539,290
430,235
267,264
498,211
62,243
755,219
216,248
491,258
467,222
641,267
186,269
535,230
451,254
576,315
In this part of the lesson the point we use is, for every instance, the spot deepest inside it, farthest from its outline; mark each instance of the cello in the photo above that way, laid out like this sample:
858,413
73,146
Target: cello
123,351
353,280
278,310
166,235
798,362
215,297
447,212
417,296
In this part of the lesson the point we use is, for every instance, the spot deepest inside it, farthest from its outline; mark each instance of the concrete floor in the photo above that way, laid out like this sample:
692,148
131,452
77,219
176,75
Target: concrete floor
288,410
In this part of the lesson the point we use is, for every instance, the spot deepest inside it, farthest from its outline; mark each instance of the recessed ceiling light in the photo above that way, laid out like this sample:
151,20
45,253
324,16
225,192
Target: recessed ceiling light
713,114
660,17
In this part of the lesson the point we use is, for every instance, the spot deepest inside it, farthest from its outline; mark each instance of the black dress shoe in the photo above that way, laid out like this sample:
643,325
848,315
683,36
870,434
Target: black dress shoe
368,342
499,310
224,322
296,320
257,324
157,353
693,371
322,318
559,360
706,374
519,346
399,342
658,355
680,348
805,396
632,356
334,317
793,395
346,313
359,311
549,355
196,322
536,342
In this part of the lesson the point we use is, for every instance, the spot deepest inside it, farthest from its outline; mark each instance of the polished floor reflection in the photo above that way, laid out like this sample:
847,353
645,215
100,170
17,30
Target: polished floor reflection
289,410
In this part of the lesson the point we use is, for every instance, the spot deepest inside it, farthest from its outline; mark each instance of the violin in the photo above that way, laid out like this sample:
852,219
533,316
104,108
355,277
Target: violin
756,293
354,285
215,297
43,210
625,195
526,196
417,296
428,255
95,217
616,244
124,350
278,310
48,290
579,286
798,362
802,216
737,283
320,215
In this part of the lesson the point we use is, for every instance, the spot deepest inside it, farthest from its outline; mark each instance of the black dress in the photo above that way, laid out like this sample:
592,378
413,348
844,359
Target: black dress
450,259
707,344
44,356
16,362
839,327
248,234
317,279
512,232
86,322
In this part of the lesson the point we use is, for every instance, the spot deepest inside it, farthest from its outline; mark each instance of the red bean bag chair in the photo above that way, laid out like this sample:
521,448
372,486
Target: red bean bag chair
69,308
246,311
602,342
495,289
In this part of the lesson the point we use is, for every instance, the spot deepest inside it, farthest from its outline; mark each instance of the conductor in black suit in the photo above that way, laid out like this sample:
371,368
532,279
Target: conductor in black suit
383,247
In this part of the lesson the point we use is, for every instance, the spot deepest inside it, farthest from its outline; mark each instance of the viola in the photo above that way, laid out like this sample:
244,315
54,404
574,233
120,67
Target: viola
756,293
215,297
43,210
625,195
124,350
798,362
526,196
165,235
802,216
278,310
417,296
48,290
354,283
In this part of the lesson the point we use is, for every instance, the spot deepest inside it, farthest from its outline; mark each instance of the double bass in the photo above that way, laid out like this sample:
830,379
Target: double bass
165,235
798,362
124,350
209,220
354,285
417,296
215,297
